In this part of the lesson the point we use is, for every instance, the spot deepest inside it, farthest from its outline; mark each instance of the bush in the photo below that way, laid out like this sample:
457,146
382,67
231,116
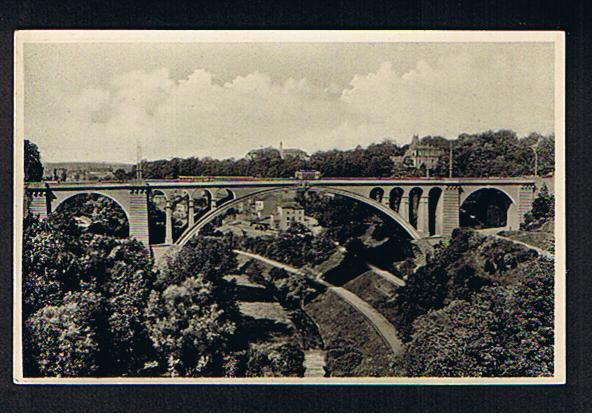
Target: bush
543,210
189,329
63,339
505,330
342,358
60,263
276,360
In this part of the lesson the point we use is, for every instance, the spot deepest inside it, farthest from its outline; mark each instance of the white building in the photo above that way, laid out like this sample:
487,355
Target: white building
287,213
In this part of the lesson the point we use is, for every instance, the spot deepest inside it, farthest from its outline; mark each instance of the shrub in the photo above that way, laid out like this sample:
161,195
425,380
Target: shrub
189,329
543,210
63,340
283,359
342,358
505,330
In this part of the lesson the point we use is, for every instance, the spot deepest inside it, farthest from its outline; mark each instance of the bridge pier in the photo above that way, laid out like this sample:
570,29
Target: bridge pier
168,236
525,198
450,209
404,206
190,212
422,216
138,216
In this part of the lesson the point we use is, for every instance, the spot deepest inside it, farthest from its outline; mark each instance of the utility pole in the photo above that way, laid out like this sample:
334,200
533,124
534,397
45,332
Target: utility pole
138,160
450,161
536,157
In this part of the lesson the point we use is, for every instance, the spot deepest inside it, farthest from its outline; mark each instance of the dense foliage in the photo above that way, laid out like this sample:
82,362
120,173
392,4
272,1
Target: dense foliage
98,213
33,166
505,330
484,314
83,296
284,359
499,153
469,263
297,246
192,314
191,329
543,210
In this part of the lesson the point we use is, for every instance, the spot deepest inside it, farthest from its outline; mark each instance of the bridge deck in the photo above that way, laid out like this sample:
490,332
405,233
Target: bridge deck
279,182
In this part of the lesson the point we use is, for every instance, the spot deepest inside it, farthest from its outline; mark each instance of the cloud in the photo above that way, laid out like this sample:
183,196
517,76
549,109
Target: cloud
201,116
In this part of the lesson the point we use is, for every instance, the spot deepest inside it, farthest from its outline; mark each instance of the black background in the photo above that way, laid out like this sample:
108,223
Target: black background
460,14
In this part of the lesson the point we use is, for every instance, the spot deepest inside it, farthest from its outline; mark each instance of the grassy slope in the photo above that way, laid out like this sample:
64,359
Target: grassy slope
378,292
339,321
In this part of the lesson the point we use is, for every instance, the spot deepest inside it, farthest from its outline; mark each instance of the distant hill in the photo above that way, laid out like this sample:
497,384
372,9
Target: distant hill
89,166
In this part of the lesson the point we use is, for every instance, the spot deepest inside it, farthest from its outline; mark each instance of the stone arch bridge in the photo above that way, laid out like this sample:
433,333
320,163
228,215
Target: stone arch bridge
422,207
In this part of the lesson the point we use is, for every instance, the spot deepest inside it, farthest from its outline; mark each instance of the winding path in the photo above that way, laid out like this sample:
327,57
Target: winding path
540,251
383,327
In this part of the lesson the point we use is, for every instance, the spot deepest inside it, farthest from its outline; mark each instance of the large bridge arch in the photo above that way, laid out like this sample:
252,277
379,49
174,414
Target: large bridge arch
61,197
497,208
133,200
230,204
64,199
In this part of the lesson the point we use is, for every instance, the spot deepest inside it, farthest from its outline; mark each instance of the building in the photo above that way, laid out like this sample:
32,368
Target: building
295,153
420,156
286,214
266,151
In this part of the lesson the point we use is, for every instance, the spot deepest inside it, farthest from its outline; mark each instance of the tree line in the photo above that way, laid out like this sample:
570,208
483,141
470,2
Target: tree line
491,153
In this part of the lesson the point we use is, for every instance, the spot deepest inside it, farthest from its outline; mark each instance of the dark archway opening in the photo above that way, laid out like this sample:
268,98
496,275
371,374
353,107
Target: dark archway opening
202,203
156,217
395,197
157,202
223,196
97,214
434,216
485,208
414,199
377,194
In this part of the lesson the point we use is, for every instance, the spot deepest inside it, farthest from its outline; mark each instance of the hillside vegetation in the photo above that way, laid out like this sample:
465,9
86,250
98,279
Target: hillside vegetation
480,307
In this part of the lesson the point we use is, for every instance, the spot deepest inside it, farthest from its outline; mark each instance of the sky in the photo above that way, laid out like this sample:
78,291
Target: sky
95,102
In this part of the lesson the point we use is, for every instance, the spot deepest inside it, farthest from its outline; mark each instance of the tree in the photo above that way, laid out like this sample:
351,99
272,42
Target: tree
50,268
503,331
467,265
122,175
33,166
62,340
126,289
104,215
191,331
64,268
543,210
211,256
277,360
